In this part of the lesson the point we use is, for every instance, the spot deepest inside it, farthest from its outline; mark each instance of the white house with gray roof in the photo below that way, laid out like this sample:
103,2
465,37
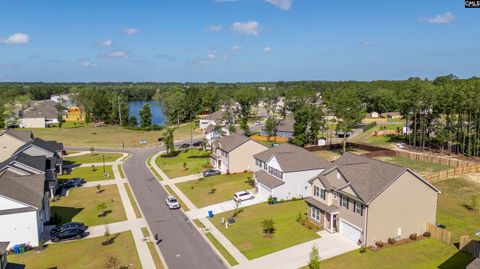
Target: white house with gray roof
283,172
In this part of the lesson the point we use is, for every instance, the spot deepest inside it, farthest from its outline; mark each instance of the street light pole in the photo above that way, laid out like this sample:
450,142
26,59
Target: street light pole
103,164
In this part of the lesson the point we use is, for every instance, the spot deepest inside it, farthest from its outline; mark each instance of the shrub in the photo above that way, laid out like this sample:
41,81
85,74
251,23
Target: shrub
379,244
270,199
299,217
112,263
363,249
314,259
250,181
413,236
426,234
391,240
294,199
282,200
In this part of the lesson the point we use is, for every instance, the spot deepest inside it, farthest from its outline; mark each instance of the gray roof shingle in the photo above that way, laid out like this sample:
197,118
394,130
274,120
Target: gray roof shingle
25,136
230,142
26,189
267,180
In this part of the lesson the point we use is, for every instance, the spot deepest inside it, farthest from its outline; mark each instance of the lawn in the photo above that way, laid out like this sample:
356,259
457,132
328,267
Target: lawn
334,154
88,174
424,254
88,253
199,191
423,168
138,214
81,205
230,259
153,251
195,161
452,208
154,172
385,140
246,234
120,171
92,158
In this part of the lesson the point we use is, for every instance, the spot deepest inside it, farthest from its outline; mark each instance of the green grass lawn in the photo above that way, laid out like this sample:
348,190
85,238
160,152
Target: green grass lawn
153,251
154,172
81,205
88,253
195,160
452,208
385,140
92,158
424,254
138,214
199,191
120,170
246,234
334,154
423,168
230,259
88,174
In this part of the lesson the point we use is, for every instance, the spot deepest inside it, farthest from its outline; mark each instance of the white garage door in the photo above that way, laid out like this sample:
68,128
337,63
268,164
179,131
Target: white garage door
349,231
263,191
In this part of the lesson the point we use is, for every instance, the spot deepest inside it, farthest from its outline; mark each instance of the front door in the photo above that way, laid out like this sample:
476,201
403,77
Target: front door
219,164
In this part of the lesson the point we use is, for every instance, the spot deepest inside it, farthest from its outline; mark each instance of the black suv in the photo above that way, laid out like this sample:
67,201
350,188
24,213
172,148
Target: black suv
67,234
68,225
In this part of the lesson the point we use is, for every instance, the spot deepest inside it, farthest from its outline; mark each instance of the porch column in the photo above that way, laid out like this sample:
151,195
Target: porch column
331,223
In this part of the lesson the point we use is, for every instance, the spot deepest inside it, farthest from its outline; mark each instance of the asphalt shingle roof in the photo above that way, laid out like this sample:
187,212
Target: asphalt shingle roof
265,179
26,189
231,142
25,136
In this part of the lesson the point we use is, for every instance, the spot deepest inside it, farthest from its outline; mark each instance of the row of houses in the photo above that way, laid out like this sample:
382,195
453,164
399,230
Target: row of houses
28,178
366,200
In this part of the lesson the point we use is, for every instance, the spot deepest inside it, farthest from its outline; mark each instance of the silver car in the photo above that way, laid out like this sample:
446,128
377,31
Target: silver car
172,202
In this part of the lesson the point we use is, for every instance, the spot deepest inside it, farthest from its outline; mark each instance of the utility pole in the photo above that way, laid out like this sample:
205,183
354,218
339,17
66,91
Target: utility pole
103,164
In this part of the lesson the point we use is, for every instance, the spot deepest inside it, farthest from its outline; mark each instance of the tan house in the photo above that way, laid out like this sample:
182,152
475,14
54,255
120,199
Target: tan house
234,153
10,141
368,200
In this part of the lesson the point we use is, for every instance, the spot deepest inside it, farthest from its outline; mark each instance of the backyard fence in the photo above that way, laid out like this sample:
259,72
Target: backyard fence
279,139
429,158
439,234
457,171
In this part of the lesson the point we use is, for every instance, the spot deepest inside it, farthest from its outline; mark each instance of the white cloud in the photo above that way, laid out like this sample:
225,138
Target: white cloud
366,43
18,38
105,43
117,54
237,48
282,4
86,63
130,31
210,57
444,18
267,49
214,28
246,28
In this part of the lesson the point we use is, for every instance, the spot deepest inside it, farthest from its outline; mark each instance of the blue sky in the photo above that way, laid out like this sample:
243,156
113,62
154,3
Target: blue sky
242,40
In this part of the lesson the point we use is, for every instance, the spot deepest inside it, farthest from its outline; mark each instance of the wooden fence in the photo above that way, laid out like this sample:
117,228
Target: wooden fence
440,234
279,139
429,158
454,172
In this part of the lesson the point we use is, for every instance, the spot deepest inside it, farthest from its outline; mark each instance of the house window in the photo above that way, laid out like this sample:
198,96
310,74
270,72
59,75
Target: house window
315,214
358,208
316,191
274,172
322,194
344,201
335,195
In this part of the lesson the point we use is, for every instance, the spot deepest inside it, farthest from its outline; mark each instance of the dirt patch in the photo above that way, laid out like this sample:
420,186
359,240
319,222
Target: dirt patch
245,246
474,177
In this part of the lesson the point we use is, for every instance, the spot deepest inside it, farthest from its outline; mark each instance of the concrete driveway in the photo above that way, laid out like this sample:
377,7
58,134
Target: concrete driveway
223,207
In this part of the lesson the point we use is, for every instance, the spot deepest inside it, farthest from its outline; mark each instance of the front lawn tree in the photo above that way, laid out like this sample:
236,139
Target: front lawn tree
314,259
270,127
102,209
301,116
268,227
169,141
145,116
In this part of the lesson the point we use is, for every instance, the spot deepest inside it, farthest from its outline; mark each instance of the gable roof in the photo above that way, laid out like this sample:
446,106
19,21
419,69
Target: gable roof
230,142
268,180
25,189
292,158
37,162
51,146
25,136
367,177
42,109
285,125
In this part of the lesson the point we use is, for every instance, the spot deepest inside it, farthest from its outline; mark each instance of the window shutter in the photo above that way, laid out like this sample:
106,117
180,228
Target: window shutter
361,210
348,202
354,205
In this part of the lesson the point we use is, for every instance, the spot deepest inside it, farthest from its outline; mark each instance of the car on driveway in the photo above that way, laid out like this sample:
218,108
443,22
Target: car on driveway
197,144
74,182
172,202
68,225
211,172
68,234
243,196
185,146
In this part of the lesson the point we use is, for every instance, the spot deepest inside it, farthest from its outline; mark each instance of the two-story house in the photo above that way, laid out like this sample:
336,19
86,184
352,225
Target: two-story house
283,171
219,117
369,200
283,128
233,153
24,208
10,141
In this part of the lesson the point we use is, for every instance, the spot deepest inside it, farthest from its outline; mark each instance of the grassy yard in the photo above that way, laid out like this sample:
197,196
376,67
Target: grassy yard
138,214
385,140
88,174
199,191
92,158
194,159
423,168
452,208
230,259
88,253
153,251
334,154
81,205
424,254
246,234
154,172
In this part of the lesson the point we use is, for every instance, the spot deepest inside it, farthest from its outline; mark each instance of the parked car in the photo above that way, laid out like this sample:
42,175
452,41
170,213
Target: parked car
68,225
185,146
74,182
197,144
211,172
400,145
68,234
242,196
172,202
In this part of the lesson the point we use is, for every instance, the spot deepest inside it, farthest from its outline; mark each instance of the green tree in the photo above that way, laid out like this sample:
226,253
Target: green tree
169,141
270,127
132,121
101,208
145,116
314,259
268,227
301,116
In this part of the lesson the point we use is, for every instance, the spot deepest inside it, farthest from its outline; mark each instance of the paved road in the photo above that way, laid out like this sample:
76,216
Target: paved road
182,246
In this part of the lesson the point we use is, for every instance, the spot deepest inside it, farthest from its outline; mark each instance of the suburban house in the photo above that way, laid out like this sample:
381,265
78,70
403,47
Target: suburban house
24,208
368,200
214,132
217,117
50,149
283,171
233,153
40,115
284,128
11,141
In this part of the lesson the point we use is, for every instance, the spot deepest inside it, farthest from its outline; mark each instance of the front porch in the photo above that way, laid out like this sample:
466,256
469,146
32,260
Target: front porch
322,215
218,163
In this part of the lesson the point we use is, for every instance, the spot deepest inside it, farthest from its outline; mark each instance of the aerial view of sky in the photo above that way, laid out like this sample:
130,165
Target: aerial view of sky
236,40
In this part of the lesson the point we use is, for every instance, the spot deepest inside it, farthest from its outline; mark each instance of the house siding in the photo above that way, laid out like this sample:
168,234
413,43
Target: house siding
8,145
240,159
296,184
21,228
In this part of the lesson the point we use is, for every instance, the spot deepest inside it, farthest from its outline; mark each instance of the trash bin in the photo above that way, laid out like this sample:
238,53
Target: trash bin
22,248
210,213
16,249
274,200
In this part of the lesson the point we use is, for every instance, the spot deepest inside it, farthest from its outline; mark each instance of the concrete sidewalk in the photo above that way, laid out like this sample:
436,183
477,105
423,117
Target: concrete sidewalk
102,182
183,179
96,164
156,168
222,207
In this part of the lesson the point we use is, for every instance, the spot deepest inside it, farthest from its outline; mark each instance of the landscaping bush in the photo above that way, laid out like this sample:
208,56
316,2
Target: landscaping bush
363,249
379,244
391,240
294,199
426,234
270,199
299,217
250,181
314,259
413,236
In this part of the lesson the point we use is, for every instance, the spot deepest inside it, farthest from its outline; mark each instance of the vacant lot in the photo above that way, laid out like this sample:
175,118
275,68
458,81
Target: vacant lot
334,154
386,141
200,191
81,205
425,254
246,234
423,168
88,253
187,162
92,158
90,173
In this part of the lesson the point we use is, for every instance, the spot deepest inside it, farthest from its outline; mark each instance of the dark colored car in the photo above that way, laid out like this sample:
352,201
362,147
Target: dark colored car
197,144
68,225
74,182
185,146
67,234
211,172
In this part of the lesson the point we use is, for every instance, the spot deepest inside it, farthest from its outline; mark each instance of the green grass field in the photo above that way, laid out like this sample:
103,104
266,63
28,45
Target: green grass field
88,174
81,205
88,253
199,191
194,159
246,234
138,214
230,259
120,171
386,141
423,254
423,168
92,158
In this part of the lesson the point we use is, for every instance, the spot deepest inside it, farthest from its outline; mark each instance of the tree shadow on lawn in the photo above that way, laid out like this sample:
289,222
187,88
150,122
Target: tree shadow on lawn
66,214
459,260
104,214
110,241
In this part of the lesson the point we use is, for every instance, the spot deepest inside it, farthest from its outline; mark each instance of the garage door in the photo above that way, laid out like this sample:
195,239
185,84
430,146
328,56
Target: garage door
349,231
263,191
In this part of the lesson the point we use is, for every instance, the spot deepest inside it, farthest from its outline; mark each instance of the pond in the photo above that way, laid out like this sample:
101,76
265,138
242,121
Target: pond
158,117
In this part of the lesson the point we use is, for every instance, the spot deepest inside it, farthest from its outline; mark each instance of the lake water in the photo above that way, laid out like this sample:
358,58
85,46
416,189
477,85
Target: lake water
134,108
